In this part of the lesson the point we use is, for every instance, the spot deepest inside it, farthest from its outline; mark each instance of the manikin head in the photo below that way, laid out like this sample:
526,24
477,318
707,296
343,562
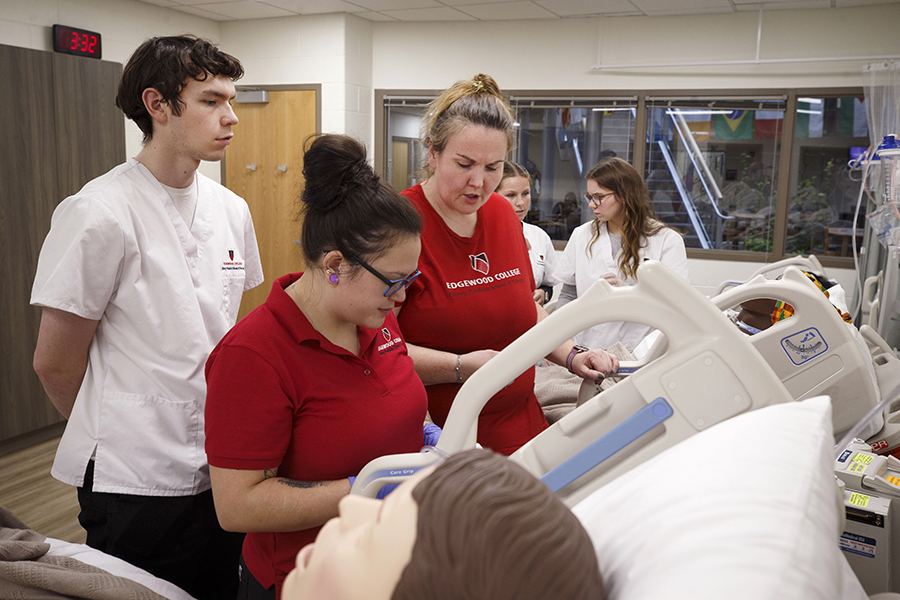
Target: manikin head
477,526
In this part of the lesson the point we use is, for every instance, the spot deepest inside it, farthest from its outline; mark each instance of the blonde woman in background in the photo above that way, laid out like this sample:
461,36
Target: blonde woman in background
515,186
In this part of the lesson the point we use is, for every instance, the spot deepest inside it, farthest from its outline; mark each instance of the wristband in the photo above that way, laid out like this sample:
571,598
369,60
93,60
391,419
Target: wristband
572,353
458,372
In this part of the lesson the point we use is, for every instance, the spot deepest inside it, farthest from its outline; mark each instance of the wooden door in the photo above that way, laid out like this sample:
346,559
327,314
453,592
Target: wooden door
400,165
264,165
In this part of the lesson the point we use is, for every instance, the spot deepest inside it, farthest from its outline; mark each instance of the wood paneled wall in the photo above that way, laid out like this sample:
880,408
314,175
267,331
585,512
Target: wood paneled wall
59,128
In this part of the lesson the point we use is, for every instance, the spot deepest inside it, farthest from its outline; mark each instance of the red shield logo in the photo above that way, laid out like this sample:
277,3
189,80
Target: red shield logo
480,263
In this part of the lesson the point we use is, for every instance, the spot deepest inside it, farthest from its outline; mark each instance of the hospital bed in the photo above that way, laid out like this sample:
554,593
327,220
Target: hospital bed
708,373
813,352
716,483
806,263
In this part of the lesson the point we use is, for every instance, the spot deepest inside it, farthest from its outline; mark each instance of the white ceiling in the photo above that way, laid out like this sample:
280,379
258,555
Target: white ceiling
486,10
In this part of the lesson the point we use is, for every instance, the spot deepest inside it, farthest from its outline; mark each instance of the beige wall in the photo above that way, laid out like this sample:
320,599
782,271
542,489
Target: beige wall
560,54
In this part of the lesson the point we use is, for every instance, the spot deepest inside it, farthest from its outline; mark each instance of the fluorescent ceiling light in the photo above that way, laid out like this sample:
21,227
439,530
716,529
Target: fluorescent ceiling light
679,111
810,100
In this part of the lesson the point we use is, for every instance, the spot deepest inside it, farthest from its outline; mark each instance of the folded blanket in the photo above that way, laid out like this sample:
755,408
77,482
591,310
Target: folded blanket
26,573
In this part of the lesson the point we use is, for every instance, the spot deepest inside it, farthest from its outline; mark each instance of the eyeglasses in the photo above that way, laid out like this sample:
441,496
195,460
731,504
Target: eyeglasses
597,198
393,285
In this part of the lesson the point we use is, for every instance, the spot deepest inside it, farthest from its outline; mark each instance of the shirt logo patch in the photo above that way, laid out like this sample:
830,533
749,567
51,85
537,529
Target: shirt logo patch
232,265
391,342
480,263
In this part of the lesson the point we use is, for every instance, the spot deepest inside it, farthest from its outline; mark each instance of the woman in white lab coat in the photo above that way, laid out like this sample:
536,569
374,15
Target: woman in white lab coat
623,233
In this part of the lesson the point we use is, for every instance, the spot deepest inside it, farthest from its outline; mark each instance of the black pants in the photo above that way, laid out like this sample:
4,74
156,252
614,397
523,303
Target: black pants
250,588
175,538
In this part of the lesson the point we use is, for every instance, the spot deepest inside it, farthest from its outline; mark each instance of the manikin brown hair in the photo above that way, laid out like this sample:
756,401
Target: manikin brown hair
619,177
489,530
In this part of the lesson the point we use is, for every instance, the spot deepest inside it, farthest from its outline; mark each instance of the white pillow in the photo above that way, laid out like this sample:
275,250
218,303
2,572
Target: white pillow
744,510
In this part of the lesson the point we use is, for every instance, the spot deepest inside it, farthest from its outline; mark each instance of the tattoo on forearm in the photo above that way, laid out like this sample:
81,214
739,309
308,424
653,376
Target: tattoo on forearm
301,484
269,473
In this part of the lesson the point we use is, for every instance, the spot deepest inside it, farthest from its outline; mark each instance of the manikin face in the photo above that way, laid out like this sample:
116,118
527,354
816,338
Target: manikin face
518,191
467,172
203,130
609,209
361,554
362,299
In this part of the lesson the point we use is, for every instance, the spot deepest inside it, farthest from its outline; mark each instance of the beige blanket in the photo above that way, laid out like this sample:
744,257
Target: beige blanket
557,389
27,574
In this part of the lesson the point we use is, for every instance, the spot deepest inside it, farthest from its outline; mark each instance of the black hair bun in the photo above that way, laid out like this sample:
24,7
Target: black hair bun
332,166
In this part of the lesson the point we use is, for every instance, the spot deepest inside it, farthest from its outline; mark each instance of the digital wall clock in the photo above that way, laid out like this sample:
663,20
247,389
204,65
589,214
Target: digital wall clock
79,42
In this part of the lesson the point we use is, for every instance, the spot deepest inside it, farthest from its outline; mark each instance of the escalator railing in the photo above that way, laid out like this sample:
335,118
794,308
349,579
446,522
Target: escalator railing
709,231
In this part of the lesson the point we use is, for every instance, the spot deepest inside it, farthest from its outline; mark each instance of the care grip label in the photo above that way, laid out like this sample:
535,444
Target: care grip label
858,499
893,480
863,458
856,467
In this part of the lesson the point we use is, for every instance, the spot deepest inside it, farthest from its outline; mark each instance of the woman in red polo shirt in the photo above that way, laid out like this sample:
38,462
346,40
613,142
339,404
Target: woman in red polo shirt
475,293
316,382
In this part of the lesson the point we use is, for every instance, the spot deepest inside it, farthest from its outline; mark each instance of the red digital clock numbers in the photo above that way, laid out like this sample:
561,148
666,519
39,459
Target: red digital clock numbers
80,42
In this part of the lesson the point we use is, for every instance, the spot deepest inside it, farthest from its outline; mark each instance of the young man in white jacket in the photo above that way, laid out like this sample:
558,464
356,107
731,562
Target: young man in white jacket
140,276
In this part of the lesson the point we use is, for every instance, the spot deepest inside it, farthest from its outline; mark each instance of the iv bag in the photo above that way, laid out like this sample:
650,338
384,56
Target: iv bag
889,153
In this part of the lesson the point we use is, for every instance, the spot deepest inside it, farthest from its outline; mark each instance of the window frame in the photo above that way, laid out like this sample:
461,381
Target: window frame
643,97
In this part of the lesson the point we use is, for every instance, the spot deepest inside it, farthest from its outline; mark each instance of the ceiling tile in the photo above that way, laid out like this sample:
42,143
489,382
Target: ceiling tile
166,3
199,2
682,6
466,10
428,14
246,9
191,10
579,8
668,12
506,11
314,7
375,16
746,5
386,5
470,2
844,3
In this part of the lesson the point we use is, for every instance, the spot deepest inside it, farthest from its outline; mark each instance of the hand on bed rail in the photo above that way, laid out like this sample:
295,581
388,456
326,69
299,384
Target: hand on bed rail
595,365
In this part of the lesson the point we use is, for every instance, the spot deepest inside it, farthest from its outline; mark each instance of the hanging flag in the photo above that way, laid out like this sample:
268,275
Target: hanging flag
852,120
698,124
809,118
767,124
736,125
802,129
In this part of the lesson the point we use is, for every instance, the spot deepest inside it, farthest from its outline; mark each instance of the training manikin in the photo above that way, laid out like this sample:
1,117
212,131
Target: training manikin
477,526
